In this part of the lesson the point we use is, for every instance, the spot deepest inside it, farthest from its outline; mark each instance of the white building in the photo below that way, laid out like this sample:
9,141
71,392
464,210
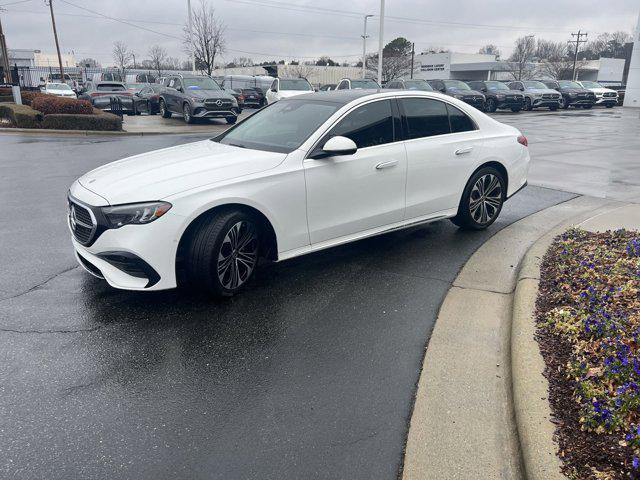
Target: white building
632,95
315,74
472,66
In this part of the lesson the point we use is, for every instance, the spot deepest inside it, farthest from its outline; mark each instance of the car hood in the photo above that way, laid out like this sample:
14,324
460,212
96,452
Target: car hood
575,90
601,90
202,94
161,173
540,91
505,92
456,91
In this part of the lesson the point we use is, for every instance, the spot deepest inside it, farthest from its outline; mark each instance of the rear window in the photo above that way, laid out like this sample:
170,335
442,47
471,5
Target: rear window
110,87
297,84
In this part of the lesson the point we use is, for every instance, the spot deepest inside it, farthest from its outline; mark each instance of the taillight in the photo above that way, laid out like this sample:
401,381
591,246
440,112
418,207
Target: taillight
241,98
522,140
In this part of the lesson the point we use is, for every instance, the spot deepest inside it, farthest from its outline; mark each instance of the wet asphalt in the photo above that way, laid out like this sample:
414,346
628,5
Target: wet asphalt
310,373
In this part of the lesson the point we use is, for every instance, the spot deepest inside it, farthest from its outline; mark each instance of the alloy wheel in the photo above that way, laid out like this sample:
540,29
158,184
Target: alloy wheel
238,255
187,113
485,199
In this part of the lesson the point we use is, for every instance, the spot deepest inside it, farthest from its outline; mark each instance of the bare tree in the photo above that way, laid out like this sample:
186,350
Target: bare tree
607,45
490,49
172,63
521,58
89,62
396,60
555,60
158,58
122,55
207,38
547,50
301,71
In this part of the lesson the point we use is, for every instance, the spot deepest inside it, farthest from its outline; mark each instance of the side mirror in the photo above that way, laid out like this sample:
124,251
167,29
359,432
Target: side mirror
273,90
337,146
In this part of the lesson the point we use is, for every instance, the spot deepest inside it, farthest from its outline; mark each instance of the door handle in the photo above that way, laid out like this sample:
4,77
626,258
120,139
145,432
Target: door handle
462,151
389,164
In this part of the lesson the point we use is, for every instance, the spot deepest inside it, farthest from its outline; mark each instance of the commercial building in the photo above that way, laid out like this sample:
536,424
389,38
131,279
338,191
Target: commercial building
472,66
37,58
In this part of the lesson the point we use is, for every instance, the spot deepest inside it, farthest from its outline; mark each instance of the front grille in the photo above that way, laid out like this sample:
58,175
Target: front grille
218,104
609,94
472,99
81,222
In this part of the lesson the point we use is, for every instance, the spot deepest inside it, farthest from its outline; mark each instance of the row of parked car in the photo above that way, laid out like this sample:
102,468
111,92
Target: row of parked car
495,95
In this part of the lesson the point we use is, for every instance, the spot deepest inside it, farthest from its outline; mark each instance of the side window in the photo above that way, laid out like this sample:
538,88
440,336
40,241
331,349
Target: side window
171,83
367,126
425,117
177,83
343,85
274,85
460,121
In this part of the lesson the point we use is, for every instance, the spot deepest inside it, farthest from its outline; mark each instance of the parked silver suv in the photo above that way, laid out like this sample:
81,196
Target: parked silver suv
537,95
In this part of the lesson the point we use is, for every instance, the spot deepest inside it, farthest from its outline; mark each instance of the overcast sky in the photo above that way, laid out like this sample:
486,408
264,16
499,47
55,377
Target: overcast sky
304,29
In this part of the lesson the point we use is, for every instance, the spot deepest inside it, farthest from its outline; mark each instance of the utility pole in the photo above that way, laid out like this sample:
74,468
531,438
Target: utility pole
578,40
364,46
380,42
134,60
193,47
413,54
55,36
5,56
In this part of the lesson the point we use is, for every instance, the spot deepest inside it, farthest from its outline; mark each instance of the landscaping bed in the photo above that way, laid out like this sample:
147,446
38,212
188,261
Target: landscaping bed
588,329
49,112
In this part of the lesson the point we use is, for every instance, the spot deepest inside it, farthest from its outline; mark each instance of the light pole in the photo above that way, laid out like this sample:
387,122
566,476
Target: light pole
380,42
193,49
55,36
364,46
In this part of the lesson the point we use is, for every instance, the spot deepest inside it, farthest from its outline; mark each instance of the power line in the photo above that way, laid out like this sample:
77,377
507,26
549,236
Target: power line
578,40
15,3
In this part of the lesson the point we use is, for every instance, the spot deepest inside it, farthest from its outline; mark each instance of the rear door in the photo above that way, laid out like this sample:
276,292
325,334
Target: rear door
349,194
442,143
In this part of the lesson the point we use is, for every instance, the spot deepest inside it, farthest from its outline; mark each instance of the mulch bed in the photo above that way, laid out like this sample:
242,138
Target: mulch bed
588,319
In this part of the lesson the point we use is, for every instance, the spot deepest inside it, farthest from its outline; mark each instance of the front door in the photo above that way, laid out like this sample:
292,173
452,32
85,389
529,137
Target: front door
349,194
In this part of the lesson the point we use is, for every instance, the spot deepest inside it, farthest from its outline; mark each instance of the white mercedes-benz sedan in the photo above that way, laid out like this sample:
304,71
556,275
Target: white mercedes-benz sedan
300,175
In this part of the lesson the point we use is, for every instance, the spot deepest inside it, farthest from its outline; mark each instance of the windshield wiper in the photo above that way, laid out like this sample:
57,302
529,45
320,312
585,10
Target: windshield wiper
236,145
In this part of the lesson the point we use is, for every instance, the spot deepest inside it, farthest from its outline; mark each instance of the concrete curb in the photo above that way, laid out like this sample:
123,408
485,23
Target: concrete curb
44,132
464,423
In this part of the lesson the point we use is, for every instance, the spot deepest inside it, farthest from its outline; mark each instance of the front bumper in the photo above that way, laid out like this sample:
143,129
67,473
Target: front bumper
545,102
582,101
202,112
607,101
133,257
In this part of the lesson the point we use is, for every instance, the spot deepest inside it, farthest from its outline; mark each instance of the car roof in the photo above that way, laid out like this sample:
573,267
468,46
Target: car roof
343,97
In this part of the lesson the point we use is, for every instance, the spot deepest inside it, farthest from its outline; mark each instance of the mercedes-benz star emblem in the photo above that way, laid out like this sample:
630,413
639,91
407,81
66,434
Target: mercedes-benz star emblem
219,103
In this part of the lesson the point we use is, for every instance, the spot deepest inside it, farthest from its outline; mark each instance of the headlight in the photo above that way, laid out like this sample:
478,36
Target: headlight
458,96
500,96
572,94
135,213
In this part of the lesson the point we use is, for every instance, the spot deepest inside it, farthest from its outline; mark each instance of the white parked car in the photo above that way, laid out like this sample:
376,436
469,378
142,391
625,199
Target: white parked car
300,175
59,89
604,96
360,83
287,88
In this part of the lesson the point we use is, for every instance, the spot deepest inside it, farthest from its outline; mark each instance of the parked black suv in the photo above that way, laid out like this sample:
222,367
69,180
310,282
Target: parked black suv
572,94
498,96
195,97
459,90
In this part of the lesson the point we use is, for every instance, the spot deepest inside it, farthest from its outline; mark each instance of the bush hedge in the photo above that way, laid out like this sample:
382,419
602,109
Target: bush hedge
21,116
5,98
30,95
98,121
49,104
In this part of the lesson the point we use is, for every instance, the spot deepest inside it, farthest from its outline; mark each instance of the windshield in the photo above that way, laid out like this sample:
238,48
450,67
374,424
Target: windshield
136,86
110,87
532,84
591,85
568,84
281,127
58,86
364,84
200,83
496,86
456,85
296,84
418,85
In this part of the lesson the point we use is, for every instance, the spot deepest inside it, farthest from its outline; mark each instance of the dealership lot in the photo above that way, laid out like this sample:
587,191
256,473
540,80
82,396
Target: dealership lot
309,374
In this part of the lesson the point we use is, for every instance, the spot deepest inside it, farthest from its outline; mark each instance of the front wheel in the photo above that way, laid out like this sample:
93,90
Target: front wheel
516,109
231,120
528,106
482,200
164,111
564,103
608,105
186,112
490,106
223,253
587,107
553,108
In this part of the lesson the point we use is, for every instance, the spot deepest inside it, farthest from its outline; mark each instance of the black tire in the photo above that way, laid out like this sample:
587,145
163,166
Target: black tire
490,105
554,108
564,103
231,120
608,105
164,111
587,107
211,245
186,113
516,109
528,106
488,207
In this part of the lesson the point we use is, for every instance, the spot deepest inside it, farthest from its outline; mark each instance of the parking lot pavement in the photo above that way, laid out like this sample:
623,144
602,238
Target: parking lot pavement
591,152
310,373
175,124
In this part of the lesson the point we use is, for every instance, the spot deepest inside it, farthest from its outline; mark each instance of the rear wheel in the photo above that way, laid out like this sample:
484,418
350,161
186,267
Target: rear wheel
164,111
482,200
223,252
